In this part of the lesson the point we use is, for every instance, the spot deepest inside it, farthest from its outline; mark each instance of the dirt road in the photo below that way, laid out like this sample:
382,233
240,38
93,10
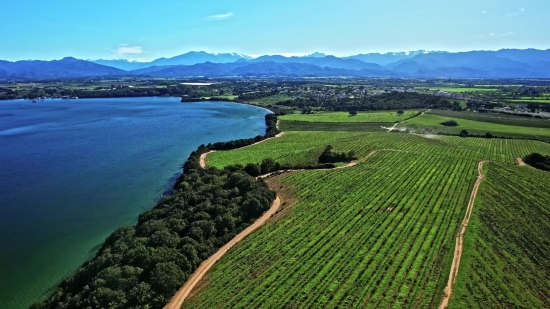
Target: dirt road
181,295
520,162
459,246
393,128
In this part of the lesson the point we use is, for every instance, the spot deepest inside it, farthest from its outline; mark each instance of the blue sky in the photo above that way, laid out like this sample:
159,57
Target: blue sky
147,29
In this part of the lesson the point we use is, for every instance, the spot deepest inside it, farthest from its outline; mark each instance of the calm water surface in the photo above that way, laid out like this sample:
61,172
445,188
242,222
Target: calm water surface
72,171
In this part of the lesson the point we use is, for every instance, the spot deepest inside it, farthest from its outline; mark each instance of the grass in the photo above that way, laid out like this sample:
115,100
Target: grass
498,118
506,248
345,117
286,125
271,100
433,122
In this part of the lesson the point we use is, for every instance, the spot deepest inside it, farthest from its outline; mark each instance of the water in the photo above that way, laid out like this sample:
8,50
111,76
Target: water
72,171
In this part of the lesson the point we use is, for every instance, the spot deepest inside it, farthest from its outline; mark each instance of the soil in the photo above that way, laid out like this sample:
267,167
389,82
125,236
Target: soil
178,299
460,240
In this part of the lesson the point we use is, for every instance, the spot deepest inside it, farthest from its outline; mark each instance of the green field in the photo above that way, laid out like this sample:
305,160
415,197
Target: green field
345,117
286,125
451,89
379,235
498,118
304,147
376,235
507,254
531,101
271,100
433,122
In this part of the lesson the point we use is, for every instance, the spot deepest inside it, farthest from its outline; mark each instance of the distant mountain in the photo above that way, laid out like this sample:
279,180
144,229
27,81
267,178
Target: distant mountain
250,68
506,63
387,58
477,64
189,58
57,69
326,61
317,55
122,64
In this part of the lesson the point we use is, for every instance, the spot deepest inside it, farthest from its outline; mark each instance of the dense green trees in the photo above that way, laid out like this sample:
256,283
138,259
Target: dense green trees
329,156
538,161
385,101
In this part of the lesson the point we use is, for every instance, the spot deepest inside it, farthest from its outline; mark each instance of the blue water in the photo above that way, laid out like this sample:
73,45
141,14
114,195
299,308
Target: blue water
72,171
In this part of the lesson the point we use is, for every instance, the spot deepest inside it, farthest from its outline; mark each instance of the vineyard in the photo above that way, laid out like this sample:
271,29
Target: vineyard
345,117
384,240
305,147
507,250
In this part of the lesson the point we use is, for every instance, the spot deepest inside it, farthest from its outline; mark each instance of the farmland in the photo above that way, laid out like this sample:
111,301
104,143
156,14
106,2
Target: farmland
498,118
305,147
385,240
346,117
460,89
433,122
381,233
507,256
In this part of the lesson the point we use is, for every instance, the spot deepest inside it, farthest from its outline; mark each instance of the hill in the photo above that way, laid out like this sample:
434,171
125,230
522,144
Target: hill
57,69
189,58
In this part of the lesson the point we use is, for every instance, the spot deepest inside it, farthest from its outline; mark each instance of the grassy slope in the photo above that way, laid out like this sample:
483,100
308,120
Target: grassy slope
345,117
507,251
341,246
433,122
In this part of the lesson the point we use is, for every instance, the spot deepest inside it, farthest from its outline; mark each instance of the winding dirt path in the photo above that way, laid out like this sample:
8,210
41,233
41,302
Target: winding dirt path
460,239
178,299
202,161
520,162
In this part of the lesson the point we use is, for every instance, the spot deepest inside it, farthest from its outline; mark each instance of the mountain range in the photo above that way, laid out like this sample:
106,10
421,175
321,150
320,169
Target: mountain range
506,63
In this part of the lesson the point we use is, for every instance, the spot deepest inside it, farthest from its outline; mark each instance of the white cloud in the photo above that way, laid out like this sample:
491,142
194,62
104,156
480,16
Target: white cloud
125,50
516,13
221,16
496,35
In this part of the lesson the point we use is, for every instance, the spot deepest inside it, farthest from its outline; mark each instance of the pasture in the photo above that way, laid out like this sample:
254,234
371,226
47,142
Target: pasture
381,117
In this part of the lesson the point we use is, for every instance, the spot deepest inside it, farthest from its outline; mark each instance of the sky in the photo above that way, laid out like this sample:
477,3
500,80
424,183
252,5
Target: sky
145,30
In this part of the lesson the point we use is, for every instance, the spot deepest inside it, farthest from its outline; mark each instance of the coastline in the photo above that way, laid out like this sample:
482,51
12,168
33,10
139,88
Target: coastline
51,298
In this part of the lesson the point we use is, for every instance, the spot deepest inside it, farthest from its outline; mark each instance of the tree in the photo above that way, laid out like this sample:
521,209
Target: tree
449,123
463,133
268,165
400,113
253,169
353,113
488,135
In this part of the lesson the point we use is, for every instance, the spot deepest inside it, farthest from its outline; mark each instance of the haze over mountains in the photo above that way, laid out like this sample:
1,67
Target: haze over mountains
506,63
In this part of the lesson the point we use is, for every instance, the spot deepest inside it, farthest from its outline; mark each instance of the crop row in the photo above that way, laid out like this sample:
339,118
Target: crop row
507,251
379,234
305,147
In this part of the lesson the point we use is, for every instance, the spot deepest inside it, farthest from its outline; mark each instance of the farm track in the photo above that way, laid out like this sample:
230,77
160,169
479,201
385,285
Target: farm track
397,123
178,299
460,240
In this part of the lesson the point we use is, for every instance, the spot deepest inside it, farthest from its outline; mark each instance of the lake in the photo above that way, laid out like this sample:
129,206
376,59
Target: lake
73,171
